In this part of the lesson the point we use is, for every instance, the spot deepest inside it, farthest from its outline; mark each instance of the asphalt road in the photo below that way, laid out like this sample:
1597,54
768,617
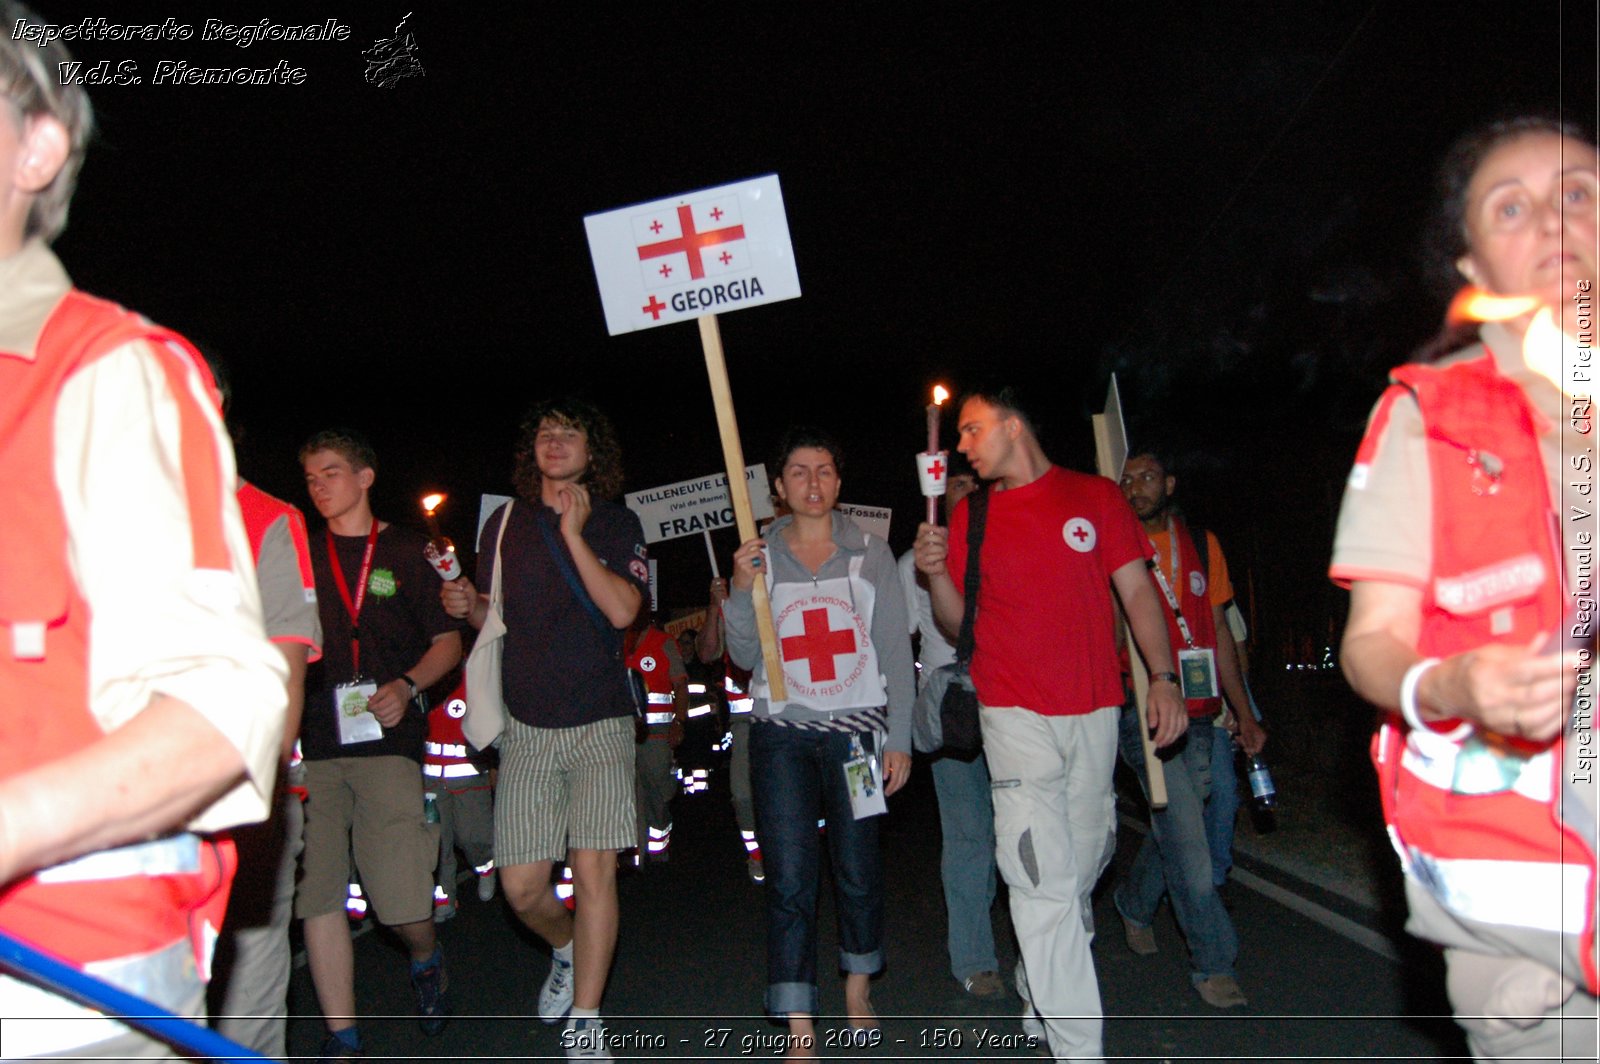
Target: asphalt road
690,968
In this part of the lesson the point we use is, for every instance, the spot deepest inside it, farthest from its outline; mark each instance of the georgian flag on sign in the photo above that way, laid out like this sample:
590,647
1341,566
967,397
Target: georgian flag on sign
705,252
693,242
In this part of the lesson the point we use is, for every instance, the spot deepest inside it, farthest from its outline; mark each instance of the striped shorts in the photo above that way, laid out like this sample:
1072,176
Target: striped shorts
563,788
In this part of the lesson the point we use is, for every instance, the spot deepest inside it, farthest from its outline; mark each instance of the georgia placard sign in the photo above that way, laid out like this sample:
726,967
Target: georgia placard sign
707,252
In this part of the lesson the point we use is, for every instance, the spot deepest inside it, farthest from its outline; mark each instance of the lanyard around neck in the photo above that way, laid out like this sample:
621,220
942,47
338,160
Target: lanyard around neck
353,607
1166,586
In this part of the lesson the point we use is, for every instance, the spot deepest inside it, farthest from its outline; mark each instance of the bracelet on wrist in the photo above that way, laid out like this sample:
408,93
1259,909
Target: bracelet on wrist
409,682
1170,677
1408,702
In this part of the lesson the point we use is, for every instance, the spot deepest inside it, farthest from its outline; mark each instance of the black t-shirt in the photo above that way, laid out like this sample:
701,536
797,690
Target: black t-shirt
399,619
559,670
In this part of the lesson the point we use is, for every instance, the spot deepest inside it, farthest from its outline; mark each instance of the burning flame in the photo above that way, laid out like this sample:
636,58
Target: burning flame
1543,346
1474,304
430,503
940,394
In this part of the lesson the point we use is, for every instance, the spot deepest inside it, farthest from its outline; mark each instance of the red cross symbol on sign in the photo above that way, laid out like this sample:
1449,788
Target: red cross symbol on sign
654,308
936,470
692,243
818,645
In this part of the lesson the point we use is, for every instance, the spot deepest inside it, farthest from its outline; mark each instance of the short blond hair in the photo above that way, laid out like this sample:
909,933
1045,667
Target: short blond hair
30,92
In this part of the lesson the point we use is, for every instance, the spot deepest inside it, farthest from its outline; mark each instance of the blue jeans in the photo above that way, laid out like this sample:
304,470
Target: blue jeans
1222,808
1175,858
797,776
966,863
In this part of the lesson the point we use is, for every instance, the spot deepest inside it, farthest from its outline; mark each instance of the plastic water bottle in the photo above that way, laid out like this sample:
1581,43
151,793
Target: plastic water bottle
1262,792
430,807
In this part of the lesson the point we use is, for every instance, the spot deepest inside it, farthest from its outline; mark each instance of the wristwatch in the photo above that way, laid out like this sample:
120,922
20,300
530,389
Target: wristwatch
411,684
1170,677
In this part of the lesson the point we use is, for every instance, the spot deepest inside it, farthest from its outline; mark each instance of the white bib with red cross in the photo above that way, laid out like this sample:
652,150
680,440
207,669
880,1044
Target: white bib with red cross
823,628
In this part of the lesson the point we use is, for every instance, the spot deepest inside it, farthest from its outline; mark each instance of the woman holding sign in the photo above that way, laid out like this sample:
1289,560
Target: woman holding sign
839,745
1466,527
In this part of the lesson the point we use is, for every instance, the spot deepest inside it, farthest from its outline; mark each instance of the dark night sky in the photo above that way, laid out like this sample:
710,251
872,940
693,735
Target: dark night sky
1220,204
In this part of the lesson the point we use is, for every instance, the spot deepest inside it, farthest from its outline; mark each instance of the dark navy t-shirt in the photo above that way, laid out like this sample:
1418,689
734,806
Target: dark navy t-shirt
559,670
399,619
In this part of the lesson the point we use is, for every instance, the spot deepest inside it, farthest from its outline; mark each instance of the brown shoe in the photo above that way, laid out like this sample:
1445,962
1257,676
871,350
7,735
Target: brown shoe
1221,991
985,984
1142,940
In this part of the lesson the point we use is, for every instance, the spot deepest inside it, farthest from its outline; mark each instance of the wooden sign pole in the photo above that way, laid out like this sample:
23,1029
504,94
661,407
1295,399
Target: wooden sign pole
739,494
1111,451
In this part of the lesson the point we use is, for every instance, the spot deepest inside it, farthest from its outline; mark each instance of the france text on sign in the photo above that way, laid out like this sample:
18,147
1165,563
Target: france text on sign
699,505
705,252
873,520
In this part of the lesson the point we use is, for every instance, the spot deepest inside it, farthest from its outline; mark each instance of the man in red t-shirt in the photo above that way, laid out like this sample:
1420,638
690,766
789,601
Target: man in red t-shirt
1055,545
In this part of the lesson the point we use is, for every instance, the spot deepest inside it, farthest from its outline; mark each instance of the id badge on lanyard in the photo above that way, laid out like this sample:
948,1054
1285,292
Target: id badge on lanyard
863,776
1198,668
356,722
350,700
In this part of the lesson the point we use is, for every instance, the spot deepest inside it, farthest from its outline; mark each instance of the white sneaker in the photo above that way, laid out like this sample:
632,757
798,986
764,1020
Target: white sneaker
555,997
1032,1026
585,1039
486,884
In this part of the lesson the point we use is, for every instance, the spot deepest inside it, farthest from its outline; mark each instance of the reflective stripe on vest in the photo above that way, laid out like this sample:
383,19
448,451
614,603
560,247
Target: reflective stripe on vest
445,749
656,699
172,856
450,772
658,718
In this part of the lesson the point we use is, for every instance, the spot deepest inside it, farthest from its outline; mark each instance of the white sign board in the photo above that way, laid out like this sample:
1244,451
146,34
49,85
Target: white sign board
873,520
705,252
699,505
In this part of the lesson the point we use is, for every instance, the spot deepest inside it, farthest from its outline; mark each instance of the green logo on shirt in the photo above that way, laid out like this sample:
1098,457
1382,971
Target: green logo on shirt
381,583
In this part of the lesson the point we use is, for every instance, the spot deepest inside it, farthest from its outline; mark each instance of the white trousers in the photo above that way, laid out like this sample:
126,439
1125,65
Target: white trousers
1055,830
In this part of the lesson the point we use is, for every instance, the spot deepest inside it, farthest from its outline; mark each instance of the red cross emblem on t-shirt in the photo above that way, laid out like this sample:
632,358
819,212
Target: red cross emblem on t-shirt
818,644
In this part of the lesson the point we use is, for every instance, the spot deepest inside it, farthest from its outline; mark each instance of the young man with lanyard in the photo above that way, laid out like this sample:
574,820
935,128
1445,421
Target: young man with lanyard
1175,857
575,576
387,640
1056,545
140,701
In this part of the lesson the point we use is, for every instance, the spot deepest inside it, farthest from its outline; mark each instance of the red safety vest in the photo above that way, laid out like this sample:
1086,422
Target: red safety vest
445,754
649,659
133,900
1499,859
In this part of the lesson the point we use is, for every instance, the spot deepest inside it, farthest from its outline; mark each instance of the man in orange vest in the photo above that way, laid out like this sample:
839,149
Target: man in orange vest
1175,858
163,717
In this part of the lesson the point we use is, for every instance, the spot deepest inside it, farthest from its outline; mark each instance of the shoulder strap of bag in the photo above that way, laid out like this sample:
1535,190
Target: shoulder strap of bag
977,518
496,593
608,633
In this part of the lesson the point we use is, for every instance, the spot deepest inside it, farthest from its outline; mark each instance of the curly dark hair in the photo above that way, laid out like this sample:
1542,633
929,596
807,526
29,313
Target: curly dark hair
604,475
